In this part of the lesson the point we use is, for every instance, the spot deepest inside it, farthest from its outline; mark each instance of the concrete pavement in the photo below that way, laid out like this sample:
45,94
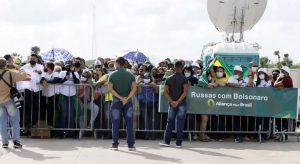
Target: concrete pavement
90,151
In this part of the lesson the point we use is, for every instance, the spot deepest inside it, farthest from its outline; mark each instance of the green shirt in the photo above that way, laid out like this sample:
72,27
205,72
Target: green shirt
121,81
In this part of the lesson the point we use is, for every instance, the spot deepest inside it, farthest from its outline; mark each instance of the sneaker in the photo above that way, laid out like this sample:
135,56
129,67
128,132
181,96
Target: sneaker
164,144
238,140
17,145
178,146
114,147
5,146
131,148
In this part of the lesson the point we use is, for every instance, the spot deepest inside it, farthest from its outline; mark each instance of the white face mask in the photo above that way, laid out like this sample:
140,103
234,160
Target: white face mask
209,78
146,81
262,77
254,69
187,74
220,74
236,76
83,78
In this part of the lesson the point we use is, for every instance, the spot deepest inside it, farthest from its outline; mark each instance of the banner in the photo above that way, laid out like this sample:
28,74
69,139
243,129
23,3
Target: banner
260,102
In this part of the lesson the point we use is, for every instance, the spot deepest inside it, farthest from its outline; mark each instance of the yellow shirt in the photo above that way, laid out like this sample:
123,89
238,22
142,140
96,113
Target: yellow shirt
222,80
4,89
108,96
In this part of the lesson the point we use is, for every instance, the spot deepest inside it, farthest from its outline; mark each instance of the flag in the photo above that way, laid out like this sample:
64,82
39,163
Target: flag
218,62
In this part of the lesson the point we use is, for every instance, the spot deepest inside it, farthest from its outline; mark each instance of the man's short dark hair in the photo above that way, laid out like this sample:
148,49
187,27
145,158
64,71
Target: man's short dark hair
7,57
50,65
121,61
178,64
34,55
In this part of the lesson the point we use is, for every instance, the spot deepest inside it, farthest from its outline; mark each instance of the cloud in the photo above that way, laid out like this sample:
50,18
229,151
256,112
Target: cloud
161,29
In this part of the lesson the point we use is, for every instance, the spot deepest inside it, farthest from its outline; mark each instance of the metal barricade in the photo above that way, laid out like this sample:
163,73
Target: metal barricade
150,122
62,108
66,109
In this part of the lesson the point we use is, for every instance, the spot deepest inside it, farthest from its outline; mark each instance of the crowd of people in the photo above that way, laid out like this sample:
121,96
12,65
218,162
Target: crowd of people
59,92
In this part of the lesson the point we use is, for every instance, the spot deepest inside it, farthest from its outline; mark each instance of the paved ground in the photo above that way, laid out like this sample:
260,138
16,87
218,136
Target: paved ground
89,151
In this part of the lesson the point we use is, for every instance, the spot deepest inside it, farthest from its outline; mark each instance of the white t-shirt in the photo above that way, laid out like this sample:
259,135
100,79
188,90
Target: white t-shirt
35,79
52,89
68,90
244,81
264,83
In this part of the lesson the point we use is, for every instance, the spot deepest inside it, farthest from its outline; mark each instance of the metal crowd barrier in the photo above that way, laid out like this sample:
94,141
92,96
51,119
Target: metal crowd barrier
48,109
47,106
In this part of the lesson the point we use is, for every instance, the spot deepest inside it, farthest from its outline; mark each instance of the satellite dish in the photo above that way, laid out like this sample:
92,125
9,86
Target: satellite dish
235,16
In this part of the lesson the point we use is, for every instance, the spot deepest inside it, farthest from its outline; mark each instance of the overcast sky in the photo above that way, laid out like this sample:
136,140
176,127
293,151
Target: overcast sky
159,28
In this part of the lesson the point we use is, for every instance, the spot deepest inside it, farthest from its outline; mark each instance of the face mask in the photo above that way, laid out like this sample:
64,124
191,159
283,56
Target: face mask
77,65
209,78
187,74
220,74
68,69
32,62
236,76
146,81
111,69
83,78
45,70
275,76
261,76
254,69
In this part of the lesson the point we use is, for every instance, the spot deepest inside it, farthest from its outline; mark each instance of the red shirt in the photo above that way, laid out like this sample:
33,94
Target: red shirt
287,82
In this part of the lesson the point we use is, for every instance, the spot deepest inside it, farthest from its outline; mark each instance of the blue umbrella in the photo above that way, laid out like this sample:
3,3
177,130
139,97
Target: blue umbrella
57,54
136,56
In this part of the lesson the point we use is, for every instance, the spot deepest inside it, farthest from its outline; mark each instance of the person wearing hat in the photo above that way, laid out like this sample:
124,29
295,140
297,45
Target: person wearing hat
238,80
275,75
263,79
68,98
219,77
284,80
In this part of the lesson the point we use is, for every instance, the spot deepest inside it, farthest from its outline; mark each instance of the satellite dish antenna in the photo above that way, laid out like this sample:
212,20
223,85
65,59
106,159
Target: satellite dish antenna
235,16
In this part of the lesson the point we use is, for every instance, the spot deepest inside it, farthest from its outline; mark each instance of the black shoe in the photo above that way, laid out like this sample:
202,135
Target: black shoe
114,147
238,140
17,145
5,146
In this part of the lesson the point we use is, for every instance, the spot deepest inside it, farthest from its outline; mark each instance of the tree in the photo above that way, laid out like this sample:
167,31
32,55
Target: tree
277,53
286,60
36,50
278,64
264,62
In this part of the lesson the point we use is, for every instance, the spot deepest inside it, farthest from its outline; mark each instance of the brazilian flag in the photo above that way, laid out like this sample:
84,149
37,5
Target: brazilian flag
219,62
